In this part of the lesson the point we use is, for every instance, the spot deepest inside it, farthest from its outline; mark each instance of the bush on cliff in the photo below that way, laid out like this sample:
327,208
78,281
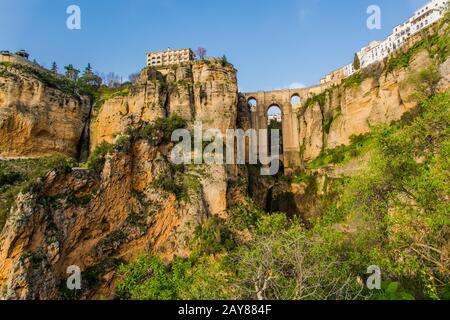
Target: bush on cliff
97,158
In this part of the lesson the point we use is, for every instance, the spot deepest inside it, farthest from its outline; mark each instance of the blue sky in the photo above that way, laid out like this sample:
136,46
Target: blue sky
273,44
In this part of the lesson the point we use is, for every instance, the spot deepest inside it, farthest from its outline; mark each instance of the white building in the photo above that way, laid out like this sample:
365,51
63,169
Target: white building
348,70
422,18
378,50
169,57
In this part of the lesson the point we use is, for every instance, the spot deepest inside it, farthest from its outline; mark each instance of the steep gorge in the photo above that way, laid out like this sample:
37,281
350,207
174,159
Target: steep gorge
130,200
39,114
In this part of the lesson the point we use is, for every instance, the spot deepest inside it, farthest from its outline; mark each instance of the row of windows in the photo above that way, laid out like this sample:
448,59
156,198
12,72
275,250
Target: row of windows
386,49
169,57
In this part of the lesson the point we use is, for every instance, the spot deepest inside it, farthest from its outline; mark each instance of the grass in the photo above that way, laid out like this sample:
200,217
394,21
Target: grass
359,146
106,93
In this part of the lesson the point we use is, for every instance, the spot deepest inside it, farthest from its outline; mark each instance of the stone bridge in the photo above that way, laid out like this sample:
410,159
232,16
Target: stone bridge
289,102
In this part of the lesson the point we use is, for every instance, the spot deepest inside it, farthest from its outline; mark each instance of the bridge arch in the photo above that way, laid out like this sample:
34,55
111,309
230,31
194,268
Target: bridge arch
289,101
273,107
253,103
296,100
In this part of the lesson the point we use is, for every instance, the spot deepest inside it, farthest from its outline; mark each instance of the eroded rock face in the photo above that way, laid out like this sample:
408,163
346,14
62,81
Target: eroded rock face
352,111
95,223
38,120
203,91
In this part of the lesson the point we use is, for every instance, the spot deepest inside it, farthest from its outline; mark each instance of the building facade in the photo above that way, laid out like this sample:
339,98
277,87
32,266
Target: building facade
169,57
422,18
379,50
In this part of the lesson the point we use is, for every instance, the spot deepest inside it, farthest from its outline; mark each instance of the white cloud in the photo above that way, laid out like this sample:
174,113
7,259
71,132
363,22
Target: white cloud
296,85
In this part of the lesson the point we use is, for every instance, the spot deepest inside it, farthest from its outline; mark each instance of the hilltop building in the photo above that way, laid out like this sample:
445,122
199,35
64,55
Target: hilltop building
18,57
169,57
378,50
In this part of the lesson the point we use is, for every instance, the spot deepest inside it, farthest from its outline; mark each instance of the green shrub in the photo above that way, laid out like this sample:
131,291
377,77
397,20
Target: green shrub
212,237
392,291
358,146
161,130
92,275
244,216
123,144
426,82
8,178
149,278
97,158
316,99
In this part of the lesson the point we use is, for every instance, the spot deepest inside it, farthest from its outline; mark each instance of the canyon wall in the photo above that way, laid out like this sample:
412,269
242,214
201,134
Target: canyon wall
137,203
37,118
351,110
203,91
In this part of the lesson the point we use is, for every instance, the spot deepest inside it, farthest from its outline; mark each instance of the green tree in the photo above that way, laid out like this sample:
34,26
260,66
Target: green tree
90,78
356,62
54,68
224,60
71,72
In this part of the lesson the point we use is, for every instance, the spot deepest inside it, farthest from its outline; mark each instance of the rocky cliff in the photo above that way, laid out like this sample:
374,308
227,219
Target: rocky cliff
98,221
380,94
203,91
39,113
130,199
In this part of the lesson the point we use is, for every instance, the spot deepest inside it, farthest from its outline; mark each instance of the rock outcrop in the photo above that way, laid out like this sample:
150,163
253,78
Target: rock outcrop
203,91
36,118
97,222
351,110
139,203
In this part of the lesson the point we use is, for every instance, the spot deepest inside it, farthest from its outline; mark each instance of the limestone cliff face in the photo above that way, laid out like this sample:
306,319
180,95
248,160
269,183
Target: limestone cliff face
96,222
203,91
352,110
37,119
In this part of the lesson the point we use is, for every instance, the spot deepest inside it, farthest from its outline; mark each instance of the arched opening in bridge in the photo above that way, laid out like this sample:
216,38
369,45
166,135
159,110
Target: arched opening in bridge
252,103
296,100
275,122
